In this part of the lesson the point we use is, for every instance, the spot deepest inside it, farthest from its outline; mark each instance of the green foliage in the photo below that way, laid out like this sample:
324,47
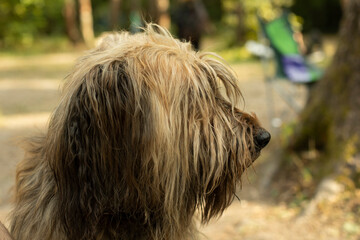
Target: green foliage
21,21
235,54
351,228
44,44
242,14
215,9
24,22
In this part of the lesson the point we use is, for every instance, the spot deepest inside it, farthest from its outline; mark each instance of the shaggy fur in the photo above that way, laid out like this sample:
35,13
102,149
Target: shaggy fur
4,233
141,139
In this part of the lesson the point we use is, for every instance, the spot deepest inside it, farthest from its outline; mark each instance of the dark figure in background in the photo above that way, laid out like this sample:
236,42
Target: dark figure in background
315,52
315,42
191,20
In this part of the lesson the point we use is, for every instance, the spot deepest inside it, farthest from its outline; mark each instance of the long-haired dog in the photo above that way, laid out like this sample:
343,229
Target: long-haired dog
143,138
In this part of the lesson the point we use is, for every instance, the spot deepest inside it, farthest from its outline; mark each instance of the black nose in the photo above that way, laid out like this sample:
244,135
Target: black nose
262,138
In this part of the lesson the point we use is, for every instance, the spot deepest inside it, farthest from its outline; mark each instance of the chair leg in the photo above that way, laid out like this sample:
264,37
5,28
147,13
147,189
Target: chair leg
275,121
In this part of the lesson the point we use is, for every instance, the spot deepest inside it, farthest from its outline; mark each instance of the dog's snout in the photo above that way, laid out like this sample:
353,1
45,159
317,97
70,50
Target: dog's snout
262,138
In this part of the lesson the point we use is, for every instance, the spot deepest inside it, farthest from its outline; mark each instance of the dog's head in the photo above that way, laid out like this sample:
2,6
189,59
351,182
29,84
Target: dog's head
147,132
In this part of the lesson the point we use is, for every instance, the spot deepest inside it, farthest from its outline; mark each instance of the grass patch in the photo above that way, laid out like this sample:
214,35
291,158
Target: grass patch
42,45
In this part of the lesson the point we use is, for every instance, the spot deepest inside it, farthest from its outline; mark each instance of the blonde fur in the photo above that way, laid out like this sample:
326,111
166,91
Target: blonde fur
141,139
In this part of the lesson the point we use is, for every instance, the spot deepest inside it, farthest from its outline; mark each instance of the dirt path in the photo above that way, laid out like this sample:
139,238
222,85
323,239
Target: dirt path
29,90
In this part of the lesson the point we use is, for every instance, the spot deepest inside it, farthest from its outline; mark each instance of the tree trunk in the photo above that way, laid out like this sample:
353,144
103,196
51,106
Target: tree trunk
86,20
164,18
330,122
240,28
159,12
114,14
153,11
72,30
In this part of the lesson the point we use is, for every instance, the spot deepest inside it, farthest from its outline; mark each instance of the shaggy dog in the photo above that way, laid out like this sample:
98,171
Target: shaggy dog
141,140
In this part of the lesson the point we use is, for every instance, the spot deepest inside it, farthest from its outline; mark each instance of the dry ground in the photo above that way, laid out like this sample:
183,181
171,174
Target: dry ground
29,90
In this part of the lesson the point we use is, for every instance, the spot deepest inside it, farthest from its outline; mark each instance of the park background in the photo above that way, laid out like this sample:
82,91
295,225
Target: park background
306,183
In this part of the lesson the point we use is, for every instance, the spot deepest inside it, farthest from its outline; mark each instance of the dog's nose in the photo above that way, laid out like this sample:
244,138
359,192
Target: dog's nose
262,138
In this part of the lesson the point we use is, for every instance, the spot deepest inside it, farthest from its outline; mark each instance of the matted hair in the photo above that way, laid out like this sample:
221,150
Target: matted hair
141,139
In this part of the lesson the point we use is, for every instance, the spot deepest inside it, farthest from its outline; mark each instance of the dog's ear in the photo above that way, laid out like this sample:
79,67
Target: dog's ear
86,151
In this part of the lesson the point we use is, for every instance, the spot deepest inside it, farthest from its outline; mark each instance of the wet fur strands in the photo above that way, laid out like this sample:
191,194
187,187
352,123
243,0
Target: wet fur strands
141,139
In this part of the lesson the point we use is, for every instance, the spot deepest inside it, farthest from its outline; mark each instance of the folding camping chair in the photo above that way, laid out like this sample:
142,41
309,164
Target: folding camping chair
290,64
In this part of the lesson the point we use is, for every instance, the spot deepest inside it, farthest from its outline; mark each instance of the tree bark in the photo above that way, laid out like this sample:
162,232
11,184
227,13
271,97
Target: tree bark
240,28
114,13
153,11
159,12
86,20
333,112
164,18
330,122
72,30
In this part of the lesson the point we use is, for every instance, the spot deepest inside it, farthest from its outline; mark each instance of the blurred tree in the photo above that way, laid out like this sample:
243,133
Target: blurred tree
240,16
86,20
330,122
164,18
114,13
70,15
159,12
323,15
21,22
153,11
240,25
215,9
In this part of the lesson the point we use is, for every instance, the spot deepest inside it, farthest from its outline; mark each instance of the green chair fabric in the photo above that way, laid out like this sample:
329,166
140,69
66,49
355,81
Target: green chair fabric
291,64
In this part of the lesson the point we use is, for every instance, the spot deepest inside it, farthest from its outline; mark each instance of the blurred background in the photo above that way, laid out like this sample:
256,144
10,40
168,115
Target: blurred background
298,67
